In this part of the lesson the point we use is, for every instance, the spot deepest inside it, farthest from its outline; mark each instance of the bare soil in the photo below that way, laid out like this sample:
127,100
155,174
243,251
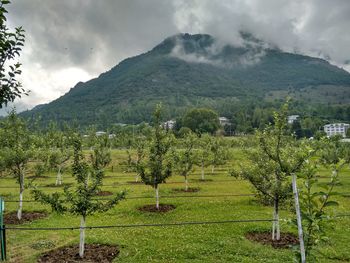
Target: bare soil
59,185
37,177
93,253
189,190
287,239
163,208
104,193
11,218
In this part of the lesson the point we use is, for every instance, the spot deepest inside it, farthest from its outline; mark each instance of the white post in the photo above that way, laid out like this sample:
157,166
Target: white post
202,170
274,224
59,176
157,197
19,212
278,232
300,227
21,190
82,237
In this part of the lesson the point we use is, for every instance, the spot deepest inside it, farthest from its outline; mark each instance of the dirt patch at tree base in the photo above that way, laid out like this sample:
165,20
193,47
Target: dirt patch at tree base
104,193
286,241
189,190
93,253
37,177
58,185
163,208
11,218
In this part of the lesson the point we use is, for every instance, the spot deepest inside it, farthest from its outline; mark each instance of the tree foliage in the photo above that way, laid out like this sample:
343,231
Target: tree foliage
201,120
157,167
184,158
81,201
17,150
278,156
11,44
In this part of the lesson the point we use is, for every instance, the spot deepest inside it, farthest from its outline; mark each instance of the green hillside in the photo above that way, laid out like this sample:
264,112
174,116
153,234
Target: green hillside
194,70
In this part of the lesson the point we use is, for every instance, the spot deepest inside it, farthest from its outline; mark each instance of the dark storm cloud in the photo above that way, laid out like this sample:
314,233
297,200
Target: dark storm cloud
72,40
89,33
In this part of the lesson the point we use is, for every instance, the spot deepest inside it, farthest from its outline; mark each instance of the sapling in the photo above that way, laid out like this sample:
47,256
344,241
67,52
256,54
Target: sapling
81,201
271,165
204,154
157,167
16,151
57,148
314,206
140,145
219,153
184,158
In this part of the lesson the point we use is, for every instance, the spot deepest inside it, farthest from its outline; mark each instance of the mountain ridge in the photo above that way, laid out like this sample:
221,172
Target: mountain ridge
187,71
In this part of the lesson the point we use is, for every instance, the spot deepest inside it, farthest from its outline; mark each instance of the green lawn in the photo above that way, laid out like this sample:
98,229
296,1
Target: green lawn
190,243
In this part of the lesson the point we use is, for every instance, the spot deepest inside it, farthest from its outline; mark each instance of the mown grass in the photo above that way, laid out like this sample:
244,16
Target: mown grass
190,243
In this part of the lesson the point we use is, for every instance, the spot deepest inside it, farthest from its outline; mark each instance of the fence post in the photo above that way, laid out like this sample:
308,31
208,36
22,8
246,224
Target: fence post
2,232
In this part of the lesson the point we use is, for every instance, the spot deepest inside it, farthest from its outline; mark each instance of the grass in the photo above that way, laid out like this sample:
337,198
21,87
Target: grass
190,243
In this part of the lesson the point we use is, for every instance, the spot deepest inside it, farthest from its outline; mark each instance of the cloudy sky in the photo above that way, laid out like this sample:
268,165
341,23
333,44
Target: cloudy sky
75,40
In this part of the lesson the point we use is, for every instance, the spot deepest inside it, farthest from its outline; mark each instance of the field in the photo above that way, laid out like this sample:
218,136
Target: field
187,243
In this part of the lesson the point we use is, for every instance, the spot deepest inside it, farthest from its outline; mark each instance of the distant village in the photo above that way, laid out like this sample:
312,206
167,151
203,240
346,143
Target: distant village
330,130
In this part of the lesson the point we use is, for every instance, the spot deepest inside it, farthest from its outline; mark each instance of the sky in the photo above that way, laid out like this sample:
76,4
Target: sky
68,41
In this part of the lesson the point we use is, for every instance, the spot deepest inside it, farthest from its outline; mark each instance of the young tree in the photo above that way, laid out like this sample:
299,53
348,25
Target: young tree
313,207
140,145
157,166
184,159
16,151
219,153
203,153
129,161
82,200
278,156
59,150
11,44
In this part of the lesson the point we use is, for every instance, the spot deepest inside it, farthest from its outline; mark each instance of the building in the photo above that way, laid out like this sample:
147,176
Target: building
169,125
100,133
292,118
224,121
336,129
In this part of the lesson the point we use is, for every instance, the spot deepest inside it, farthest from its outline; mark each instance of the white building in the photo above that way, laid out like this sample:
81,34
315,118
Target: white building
100,133
292,118
224,121
336,129
169,125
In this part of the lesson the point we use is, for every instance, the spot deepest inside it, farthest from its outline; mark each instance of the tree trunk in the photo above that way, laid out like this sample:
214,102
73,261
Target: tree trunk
278,231
157,197
186,184
82,237
59,176
202,170
274,224
212,169
21,190
137,178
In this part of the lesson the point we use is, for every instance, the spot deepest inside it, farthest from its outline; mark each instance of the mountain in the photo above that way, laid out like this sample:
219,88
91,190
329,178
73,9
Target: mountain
196,70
